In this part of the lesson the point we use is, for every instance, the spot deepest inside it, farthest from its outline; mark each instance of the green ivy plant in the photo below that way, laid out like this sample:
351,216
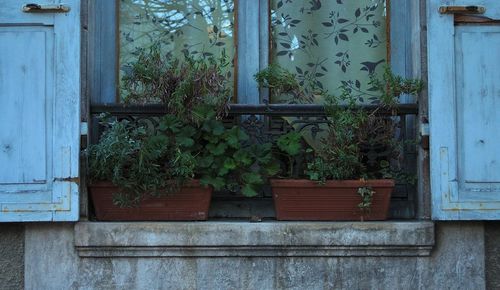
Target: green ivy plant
229,161
190,141
143,159
290,149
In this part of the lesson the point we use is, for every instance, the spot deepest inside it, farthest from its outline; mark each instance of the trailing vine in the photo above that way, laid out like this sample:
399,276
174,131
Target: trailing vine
366,193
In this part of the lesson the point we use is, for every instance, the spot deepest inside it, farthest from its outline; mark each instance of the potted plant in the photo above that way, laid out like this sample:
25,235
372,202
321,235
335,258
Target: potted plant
167,169
335,181
141,172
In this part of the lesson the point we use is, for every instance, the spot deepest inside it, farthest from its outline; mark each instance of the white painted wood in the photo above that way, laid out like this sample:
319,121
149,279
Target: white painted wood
39,113
464,97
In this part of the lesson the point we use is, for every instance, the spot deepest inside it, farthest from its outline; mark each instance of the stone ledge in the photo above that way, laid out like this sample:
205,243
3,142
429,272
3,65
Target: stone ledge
244,239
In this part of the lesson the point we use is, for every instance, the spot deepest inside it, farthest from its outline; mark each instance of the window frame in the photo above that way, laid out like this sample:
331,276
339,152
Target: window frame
405,26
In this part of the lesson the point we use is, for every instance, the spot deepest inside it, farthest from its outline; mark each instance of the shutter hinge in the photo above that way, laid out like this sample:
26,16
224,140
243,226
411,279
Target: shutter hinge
424,133
68,179
84,129
462,10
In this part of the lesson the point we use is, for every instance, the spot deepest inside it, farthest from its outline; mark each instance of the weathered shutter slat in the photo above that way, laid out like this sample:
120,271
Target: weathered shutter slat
39,113
464,96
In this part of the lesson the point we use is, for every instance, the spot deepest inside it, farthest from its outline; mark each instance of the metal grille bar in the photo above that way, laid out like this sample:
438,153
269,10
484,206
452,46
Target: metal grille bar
284,110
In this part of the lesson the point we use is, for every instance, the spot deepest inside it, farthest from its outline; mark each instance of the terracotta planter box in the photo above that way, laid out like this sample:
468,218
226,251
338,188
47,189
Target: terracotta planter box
190,203
297,199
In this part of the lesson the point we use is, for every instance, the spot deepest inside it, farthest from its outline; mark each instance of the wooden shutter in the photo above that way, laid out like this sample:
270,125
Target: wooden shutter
39,112
464,96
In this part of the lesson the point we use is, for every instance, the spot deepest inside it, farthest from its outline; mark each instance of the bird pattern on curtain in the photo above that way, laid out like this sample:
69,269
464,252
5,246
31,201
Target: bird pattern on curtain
329,44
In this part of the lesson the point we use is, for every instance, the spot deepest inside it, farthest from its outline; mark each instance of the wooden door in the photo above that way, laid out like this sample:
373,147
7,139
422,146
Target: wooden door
39,111
464,96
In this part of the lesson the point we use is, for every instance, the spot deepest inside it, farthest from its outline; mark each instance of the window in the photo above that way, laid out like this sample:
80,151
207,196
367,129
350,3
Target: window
326,43
321,41
197,29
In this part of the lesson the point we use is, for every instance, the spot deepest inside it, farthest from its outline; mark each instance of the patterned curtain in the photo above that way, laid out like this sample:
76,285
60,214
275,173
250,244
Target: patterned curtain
328,43
198,28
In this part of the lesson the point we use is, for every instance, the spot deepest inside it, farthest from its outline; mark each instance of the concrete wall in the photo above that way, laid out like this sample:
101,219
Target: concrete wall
456,262
492,258
12,263
11,256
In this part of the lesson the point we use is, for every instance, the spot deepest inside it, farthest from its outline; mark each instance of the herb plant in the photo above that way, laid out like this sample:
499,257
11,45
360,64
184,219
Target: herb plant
142,159
190,141
283,82
180,84
350,130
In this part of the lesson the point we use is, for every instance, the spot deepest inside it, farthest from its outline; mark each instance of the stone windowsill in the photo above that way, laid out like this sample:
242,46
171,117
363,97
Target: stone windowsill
244,239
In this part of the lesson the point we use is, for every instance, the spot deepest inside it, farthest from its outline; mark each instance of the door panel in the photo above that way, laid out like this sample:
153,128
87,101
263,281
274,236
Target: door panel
464,98
39,113
478,94
27,88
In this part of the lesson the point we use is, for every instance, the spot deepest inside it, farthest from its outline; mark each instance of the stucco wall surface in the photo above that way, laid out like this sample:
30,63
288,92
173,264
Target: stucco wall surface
457,262
11,256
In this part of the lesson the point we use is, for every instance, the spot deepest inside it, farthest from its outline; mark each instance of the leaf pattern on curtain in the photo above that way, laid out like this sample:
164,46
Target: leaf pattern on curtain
197,28
329,43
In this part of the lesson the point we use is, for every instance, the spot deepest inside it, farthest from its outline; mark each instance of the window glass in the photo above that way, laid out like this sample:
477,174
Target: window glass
329,43
197,28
